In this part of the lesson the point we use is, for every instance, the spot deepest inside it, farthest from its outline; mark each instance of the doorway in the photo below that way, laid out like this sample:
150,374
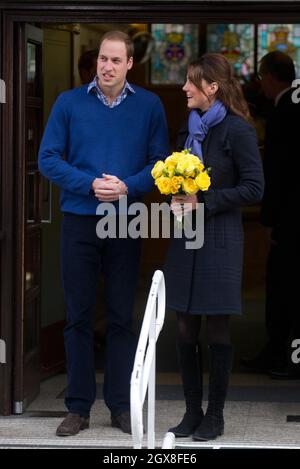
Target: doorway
42,201
62,46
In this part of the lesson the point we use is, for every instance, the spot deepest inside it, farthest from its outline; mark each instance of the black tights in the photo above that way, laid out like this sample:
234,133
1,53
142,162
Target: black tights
217,326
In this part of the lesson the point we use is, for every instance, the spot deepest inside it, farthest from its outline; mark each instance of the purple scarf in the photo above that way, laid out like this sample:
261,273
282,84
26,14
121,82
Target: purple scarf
199,126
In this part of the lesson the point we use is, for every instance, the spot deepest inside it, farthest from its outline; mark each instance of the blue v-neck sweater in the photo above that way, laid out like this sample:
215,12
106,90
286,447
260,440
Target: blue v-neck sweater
84,139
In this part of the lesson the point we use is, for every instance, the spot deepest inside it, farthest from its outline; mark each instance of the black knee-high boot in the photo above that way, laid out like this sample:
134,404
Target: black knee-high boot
190,362
212,425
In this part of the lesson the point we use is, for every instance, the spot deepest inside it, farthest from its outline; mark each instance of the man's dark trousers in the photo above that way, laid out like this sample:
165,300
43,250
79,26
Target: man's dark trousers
84,256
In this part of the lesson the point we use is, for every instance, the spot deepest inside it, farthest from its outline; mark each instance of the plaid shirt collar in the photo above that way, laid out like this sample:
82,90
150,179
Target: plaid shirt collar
94,88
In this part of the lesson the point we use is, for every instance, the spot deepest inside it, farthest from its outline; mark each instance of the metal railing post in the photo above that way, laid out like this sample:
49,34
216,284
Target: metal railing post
151,386
143,374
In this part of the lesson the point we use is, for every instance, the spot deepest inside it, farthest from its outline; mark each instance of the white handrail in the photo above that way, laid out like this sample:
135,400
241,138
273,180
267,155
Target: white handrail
168,441
143,374
2,351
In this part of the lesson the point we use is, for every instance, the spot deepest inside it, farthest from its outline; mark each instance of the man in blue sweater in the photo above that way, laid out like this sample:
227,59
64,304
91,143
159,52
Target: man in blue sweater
100,144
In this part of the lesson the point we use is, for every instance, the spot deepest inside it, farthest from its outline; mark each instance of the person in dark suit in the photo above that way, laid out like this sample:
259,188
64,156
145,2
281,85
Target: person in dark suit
207,281
87,66
279,207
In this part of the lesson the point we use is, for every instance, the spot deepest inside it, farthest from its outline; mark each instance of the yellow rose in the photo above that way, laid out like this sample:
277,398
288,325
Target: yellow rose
189,186
176,182
199,167
181,166
190,171
185,167
196,162
169,169
203,181
157,169
164,185
173,159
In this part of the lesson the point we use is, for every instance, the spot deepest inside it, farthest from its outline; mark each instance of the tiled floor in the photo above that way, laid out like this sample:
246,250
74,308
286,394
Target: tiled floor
246,423
255,413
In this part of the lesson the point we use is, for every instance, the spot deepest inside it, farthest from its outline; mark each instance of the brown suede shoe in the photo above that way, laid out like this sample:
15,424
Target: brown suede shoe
72,425
122,421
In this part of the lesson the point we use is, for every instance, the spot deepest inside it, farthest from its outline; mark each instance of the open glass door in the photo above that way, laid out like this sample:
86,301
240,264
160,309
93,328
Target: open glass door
29,214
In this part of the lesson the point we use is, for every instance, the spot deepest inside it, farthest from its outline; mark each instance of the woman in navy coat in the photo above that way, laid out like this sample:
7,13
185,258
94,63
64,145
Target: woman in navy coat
207,281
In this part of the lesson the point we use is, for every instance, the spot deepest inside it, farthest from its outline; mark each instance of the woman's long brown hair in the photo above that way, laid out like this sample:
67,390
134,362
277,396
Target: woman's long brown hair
215,68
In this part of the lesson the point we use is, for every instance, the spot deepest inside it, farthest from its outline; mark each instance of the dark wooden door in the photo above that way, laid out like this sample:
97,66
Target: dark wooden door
30,196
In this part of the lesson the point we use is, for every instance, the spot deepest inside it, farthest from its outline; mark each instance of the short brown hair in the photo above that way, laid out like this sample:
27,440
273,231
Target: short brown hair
122,37
87,59
279,65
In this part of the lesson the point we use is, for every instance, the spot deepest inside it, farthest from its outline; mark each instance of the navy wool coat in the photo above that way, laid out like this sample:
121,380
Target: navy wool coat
208,280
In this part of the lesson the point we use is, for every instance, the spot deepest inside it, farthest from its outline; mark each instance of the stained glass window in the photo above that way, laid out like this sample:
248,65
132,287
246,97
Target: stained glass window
283,37
175,46
236,43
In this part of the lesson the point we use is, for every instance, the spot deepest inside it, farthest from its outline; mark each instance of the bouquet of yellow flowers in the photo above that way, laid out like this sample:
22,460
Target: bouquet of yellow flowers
181,173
